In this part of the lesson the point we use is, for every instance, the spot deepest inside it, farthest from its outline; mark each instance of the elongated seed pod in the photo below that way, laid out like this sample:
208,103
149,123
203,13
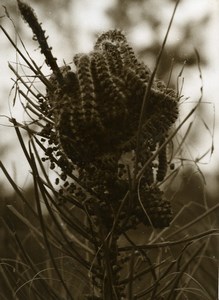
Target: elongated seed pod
89,112
30,17
115,99
162,164
113,57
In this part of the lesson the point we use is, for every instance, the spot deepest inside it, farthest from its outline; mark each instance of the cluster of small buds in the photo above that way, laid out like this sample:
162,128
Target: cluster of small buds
157,210
91,133
95,116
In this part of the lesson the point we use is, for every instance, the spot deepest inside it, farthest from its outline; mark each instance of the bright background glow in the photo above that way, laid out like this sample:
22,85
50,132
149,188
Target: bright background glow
86,19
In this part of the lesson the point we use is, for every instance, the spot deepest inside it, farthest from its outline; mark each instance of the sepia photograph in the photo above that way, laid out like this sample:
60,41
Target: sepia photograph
109,150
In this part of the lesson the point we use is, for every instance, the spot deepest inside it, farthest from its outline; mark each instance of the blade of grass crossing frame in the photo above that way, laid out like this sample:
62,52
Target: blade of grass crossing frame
43,227
172,294
42,281
147,92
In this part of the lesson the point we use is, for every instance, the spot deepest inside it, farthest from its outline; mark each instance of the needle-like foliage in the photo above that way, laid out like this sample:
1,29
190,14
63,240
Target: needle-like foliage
103,128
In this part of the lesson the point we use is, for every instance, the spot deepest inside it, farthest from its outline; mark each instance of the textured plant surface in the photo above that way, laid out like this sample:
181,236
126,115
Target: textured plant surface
104,127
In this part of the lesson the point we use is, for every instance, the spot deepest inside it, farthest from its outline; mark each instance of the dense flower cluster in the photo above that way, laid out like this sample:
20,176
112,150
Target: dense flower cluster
105,123
95,111
96,115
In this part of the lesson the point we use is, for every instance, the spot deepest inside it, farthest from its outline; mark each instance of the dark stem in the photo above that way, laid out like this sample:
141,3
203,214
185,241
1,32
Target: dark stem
30,17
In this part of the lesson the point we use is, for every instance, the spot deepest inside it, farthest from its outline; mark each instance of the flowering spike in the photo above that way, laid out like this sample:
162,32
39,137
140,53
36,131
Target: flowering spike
87,93
30,17
96,116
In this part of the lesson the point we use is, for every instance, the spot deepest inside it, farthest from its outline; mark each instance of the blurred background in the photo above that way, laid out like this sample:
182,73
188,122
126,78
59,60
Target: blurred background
72,27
